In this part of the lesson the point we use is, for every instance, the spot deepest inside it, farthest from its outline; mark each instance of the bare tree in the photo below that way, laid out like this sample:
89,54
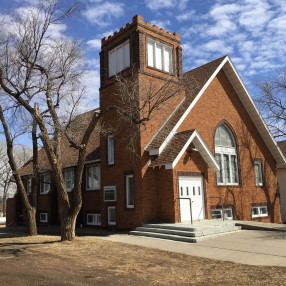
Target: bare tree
42,74
272,101
14,159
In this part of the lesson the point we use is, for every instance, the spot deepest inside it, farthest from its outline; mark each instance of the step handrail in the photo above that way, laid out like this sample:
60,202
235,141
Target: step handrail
178,198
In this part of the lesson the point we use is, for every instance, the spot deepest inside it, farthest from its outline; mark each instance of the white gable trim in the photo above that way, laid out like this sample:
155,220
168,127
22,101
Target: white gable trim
155,151
202,148
173,131
253,112
247,102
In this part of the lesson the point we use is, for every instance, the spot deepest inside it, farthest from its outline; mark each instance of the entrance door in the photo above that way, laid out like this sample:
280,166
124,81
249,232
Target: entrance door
191,188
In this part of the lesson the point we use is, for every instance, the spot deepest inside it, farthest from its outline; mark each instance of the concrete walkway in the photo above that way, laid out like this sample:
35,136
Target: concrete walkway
255,247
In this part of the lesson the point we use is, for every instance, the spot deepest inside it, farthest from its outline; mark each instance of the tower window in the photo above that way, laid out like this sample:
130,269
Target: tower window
160,56
119,59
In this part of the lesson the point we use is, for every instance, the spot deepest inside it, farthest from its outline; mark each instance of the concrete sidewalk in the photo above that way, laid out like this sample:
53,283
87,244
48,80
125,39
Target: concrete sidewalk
255,247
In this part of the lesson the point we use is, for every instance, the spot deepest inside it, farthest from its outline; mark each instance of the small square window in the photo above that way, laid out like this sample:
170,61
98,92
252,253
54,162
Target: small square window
43,217
93,219
259,211
217,214
109,193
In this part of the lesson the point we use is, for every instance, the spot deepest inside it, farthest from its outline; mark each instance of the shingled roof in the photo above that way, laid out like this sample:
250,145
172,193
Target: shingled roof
69,154
195,80
173,149
180,142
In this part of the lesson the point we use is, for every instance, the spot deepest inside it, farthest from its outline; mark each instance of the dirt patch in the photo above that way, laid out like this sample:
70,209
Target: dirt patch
44,260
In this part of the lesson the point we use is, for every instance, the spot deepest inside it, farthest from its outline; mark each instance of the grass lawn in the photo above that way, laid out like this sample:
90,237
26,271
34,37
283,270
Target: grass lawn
44,260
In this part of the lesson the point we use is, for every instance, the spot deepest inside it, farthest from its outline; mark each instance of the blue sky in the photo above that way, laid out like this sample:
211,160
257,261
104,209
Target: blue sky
251,32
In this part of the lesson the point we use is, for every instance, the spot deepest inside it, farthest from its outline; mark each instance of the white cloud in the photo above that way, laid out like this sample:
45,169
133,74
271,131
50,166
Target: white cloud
95,44
161,24
185,16
217,46
103,13
160,4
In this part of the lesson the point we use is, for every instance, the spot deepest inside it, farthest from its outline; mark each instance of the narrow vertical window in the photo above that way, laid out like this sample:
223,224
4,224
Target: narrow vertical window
29,185
69,179
130,196
93,177
258,173
110,150
45,183
111,215
226,157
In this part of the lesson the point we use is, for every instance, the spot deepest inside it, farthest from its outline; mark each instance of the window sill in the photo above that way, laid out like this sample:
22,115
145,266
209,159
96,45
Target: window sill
162,71
91,190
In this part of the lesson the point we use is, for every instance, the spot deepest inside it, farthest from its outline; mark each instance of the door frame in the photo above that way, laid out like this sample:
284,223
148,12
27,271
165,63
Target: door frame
192,174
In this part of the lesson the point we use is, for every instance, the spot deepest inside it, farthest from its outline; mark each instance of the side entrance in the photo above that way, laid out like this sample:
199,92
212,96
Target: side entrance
191,188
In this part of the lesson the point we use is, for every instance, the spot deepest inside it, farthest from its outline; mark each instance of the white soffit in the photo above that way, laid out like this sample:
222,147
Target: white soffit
202,148
253,112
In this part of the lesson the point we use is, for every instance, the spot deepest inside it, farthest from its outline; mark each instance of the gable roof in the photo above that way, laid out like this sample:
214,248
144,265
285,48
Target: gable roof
69,154
201,78
179,144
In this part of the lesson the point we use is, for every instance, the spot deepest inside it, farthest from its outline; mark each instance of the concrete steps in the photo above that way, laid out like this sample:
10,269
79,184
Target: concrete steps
185,232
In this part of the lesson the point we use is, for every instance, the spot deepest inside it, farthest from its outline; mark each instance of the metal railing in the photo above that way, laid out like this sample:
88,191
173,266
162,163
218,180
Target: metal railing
190,206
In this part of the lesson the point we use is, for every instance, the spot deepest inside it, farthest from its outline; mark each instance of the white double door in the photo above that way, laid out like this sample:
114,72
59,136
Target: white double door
191,188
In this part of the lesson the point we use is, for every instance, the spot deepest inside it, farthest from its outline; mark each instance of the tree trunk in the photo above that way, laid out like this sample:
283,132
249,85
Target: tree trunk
68,227
31,222
4,205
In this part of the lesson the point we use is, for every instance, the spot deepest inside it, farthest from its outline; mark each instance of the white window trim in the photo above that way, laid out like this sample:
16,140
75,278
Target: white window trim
225,209
257,183
259,214
46,217
110,188
108,216
44,182
110,159
86,175
96,216
165,46
227,151
129,206
65,171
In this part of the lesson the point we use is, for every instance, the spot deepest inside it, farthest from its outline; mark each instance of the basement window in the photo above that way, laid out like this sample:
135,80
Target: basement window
217,214
259,211
93,219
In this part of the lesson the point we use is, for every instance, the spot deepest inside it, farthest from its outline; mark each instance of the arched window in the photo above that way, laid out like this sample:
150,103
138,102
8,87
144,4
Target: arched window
225,154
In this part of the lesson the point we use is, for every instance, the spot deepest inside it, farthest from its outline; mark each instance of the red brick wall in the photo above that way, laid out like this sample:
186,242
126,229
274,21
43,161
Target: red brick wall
220,102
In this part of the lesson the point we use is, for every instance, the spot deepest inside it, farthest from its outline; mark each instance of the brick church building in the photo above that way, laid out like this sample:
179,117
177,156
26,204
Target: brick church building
206,152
